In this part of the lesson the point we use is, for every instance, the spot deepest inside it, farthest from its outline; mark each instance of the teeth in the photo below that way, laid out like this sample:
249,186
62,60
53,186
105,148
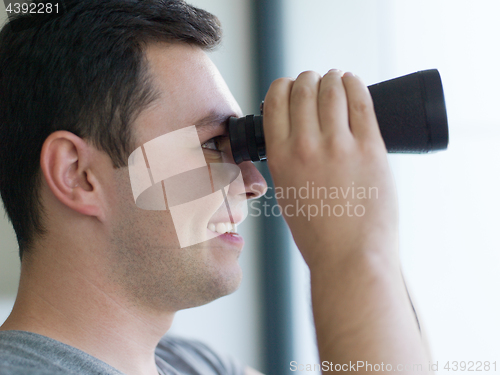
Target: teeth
222,228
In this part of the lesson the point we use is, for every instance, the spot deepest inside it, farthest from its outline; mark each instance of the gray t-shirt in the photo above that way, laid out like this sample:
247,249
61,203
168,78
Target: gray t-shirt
27,353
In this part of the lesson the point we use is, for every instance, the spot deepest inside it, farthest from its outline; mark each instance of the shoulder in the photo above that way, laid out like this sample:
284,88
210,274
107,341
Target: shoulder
29,353
194,357
23,370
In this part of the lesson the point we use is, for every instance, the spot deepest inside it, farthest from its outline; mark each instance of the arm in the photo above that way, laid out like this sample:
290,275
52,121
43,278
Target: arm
324,130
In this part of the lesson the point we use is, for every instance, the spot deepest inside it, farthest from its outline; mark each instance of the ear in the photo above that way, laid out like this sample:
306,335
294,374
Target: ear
67,163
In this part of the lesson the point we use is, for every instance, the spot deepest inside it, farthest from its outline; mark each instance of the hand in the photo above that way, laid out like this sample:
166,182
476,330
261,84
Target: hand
322,132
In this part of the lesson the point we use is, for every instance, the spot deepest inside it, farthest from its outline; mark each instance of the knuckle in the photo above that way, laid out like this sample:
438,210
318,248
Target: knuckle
304,143
334,72
310,74
305,149
331,93
372,148
271,102
362,107
283,81
278,87
303,92
278,93
338,148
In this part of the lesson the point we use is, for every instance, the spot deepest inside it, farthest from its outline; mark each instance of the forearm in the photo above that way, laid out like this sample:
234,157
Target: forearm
362,313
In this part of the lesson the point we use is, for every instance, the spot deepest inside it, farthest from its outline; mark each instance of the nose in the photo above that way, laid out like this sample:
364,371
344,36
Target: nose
255,184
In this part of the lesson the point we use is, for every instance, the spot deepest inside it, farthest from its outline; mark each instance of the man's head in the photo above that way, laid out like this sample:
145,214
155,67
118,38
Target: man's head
83,72
80,92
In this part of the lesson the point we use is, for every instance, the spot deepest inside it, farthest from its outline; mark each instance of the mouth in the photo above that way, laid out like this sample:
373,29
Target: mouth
226,231
222,227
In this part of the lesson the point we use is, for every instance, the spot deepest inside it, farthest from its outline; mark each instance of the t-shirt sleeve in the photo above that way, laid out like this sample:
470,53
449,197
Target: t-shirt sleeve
177,355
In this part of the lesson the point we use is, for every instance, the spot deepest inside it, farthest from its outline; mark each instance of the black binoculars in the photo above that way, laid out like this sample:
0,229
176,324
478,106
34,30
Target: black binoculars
410,111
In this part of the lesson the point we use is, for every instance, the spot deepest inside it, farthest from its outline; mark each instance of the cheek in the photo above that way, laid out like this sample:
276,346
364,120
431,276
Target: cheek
146,237
190,219
127,220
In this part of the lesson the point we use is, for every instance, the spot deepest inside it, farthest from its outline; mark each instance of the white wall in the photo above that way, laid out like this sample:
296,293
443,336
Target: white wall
229,324
449,201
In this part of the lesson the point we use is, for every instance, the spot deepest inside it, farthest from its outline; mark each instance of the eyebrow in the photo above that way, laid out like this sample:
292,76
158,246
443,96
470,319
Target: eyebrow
212,121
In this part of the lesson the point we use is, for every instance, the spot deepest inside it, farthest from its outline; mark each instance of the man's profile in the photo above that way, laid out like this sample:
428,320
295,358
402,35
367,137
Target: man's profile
101,277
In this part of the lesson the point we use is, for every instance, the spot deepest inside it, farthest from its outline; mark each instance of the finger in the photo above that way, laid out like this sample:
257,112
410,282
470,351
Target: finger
362,119
277,110
304,116
333,110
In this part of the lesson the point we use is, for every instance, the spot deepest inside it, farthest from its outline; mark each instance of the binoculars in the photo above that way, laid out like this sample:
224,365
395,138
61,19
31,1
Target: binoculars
410,111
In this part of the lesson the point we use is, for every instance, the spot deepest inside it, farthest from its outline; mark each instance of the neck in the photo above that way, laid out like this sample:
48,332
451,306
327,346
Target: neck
70,300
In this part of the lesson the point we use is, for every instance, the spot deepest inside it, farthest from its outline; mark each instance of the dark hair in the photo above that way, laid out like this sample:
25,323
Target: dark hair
82,71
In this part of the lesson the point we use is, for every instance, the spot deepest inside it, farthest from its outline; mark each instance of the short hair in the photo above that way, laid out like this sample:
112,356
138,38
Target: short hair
83,71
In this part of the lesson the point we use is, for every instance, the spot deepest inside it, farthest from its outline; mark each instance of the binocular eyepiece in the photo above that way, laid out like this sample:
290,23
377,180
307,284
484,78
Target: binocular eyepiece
410,110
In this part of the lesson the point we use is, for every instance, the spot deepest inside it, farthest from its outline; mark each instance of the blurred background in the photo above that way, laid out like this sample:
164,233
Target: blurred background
449,201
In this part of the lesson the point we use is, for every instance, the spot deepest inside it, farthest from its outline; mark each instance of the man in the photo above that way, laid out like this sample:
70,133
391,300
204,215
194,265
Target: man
101,278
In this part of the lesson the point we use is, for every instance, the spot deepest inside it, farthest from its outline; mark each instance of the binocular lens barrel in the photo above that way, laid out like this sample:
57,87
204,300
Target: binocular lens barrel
410,110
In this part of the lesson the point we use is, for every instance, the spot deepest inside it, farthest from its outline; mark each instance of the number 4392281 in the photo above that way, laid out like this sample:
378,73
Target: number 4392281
32,8
471,366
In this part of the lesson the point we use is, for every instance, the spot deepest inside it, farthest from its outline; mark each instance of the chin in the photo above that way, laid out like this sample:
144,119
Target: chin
221,282
226,282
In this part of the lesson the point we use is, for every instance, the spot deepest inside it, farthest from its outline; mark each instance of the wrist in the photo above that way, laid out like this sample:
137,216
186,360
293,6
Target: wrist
373,255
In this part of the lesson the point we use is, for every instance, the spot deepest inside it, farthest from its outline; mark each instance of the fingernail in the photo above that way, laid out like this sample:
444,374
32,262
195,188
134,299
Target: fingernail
335,71
349,74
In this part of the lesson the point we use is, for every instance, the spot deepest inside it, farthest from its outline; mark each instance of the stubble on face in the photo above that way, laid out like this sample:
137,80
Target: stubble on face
145,257
147,263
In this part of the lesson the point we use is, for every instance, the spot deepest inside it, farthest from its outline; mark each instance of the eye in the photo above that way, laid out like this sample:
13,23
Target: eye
215,144
211,144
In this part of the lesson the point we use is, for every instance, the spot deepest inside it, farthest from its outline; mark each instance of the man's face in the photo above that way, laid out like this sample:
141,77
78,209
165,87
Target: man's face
146,253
